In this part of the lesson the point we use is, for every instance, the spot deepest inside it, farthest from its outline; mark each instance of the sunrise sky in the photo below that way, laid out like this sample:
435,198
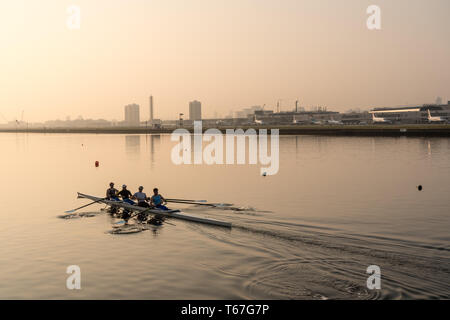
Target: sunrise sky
228,54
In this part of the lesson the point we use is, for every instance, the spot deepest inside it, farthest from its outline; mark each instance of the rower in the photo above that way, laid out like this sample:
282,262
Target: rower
158,200
126,195
111,193
141,197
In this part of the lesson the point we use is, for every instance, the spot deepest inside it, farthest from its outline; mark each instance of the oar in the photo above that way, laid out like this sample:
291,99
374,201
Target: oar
134,215
227,206
187,200
73,210
191,202
202,204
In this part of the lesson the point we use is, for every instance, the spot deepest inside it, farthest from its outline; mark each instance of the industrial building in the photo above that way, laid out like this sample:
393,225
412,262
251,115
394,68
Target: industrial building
356,117
150,119
292,117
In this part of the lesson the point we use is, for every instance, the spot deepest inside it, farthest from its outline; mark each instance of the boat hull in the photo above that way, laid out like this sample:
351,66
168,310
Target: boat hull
167,213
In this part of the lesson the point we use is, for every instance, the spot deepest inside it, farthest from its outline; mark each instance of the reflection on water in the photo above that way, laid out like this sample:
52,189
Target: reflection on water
152,141
337,205
133,144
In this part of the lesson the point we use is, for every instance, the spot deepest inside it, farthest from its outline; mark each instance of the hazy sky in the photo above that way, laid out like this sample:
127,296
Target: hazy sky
226,53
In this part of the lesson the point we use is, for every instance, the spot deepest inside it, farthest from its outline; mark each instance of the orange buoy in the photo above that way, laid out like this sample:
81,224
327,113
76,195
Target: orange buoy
97,163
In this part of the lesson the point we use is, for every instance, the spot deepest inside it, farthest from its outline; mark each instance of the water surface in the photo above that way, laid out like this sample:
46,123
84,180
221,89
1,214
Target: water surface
337,205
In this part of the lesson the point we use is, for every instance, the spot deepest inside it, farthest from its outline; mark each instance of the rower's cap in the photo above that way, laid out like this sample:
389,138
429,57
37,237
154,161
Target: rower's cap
111,183
124,186
141,187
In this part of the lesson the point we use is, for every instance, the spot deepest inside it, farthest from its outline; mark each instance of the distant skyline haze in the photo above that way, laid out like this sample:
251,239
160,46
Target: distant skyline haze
226,54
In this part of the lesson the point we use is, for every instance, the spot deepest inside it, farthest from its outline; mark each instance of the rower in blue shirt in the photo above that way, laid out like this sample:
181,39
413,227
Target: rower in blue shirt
158,200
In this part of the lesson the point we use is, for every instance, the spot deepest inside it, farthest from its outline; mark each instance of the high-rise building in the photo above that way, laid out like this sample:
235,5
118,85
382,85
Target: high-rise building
195,110
151,110
132,114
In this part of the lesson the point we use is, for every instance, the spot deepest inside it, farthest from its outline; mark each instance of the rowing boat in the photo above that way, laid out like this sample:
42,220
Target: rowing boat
166,213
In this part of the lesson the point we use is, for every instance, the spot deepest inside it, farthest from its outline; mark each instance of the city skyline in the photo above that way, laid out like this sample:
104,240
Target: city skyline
137,115
227,55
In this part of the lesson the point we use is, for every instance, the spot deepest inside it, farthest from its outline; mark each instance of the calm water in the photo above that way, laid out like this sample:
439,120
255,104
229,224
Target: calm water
337,205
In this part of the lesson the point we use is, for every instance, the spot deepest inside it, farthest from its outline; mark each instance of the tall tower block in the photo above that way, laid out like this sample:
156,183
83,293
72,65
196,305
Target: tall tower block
151,109
195,110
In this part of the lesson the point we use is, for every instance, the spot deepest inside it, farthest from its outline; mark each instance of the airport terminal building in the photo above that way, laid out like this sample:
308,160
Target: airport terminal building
412,115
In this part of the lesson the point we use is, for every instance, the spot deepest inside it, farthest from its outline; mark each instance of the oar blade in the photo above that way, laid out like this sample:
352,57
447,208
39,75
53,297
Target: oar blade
223,204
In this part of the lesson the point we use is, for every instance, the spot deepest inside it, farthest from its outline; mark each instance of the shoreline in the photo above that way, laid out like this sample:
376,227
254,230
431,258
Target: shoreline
437,130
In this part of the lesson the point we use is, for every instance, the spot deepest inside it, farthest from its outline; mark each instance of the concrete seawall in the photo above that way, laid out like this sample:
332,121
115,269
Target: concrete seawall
438,130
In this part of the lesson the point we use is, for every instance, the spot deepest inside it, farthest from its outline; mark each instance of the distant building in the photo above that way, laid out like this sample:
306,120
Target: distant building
151,110
356,117
289,117
78,123
411,115
244,113
195,110
132,115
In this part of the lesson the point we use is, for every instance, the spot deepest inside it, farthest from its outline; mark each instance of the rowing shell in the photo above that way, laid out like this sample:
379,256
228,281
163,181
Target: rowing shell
167,213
